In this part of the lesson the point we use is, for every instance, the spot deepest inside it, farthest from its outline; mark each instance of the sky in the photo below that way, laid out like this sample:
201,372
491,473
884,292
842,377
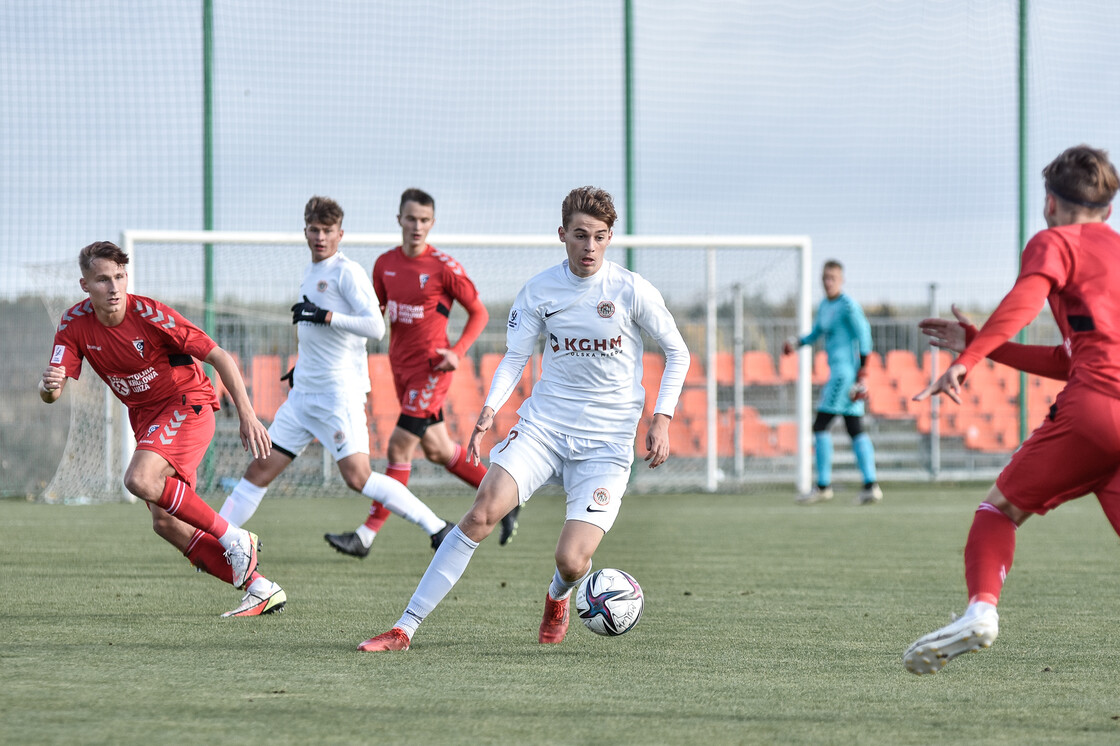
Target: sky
884,130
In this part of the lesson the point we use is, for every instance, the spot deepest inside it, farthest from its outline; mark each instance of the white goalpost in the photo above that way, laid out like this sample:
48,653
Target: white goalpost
254,277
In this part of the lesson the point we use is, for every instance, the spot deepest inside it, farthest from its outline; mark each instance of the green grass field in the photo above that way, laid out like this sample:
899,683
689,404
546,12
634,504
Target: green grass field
765,622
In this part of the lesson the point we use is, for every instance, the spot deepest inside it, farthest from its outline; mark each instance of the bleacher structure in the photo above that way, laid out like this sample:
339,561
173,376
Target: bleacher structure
743,417
255,275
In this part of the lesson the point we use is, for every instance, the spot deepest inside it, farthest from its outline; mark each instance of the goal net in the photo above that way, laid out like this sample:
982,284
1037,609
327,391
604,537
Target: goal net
743,417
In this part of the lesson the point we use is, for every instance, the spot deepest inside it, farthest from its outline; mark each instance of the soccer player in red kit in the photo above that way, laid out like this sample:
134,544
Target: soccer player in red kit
417,284
147,354
1074,265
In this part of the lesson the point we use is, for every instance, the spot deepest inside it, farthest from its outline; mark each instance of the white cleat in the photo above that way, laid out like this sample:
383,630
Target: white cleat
817,495
268,599
871,495
968,634
242,557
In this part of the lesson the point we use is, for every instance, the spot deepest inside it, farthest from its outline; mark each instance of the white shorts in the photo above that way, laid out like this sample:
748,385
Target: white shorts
337,420
594,472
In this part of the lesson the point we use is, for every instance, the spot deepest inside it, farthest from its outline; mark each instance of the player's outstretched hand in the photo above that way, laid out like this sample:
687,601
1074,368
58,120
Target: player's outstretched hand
254,437
481,427
949,384
308,311
657,440
450,359
946,334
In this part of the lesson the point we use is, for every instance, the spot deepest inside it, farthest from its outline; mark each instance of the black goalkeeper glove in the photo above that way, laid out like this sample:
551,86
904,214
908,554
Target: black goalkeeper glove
308,311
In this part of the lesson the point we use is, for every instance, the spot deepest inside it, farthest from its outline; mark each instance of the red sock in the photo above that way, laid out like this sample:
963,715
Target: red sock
400,472
378,513
207,554
179,500
461,467
988,553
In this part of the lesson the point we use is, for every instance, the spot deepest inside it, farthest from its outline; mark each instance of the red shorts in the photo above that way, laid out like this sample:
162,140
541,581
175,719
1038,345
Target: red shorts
1076,451
181,433
422,391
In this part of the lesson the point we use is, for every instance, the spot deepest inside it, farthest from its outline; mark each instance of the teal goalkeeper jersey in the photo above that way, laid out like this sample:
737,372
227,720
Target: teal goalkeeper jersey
847,335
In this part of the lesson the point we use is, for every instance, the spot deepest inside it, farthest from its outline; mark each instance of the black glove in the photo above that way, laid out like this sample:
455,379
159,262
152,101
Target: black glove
290,377
308,311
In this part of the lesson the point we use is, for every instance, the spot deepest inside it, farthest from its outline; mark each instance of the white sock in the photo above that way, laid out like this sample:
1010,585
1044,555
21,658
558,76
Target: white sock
560,588
229,539
260,586
242,502
366,534
442,574
978,608
400,500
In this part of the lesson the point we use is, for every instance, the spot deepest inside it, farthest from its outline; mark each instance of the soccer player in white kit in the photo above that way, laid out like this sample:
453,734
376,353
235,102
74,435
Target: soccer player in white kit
578,426
330,381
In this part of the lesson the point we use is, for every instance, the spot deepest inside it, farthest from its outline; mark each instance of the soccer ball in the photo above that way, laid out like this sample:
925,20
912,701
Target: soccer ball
609,602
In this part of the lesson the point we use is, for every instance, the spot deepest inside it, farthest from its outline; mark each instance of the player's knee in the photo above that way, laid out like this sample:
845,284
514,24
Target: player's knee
144,484
572,566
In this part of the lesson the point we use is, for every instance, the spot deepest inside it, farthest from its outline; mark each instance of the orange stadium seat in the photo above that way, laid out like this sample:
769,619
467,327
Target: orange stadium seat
383,395
787,368
758,368
267,391
786,437
695,376
220,388
653,367
725,369
465,395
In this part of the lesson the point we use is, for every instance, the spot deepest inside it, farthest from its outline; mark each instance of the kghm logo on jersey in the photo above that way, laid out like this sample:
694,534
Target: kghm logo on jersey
601,496
605,309
586,347
322,286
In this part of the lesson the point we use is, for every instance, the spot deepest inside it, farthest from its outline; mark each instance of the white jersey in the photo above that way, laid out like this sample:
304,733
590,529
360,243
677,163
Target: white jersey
591,371
330,358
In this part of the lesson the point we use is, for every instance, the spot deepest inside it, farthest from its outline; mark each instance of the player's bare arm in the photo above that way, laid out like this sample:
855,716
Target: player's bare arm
946,334
477,316
657,440
52,383
254,435
481,427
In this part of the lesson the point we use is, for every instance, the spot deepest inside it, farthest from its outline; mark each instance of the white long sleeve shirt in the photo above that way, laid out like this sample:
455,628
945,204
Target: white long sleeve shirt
332,357
591,372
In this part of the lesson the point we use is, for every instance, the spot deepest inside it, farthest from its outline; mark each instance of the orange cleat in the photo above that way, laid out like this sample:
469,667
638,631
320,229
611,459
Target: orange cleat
555,622
394,639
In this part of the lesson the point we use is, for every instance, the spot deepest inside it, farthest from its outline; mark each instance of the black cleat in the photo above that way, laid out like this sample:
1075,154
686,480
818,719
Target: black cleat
348,543
438,536
509,527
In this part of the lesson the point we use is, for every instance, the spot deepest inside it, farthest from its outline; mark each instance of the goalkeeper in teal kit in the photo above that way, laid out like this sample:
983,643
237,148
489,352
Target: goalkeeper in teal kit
847,341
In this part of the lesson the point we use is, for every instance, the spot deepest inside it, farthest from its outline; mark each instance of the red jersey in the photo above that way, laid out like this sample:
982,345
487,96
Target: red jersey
1083,262
147,359
418,293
